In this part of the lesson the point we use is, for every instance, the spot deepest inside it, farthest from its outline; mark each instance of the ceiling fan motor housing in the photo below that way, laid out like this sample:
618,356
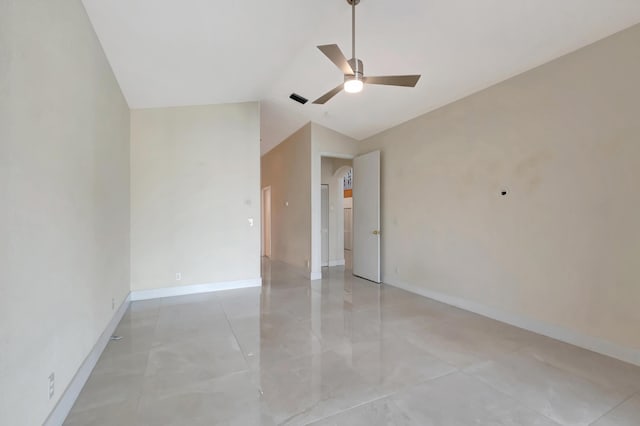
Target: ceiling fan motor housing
358,69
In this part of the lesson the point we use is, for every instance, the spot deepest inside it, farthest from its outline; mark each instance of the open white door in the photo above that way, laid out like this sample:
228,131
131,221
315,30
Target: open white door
366,216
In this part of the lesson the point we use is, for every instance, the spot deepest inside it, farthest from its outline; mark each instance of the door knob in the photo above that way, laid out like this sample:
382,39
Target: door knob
376,232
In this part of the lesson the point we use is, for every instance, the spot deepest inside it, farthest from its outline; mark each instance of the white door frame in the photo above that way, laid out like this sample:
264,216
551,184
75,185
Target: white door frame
323,234
265,227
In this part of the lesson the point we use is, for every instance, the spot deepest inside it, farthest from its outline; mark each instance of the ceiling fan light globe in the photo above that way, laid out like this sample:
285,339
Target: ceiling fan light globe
353,86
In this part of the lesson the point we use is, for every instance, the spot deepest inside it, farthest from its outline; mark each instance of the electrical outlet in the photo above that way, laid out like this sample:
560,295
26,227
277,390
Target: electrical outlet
397,270
178,276
52,385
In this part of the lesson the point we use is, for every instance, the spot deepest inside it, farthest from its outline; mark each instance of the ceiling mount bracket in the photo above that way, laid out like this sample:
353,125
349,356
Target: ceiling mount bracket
353,1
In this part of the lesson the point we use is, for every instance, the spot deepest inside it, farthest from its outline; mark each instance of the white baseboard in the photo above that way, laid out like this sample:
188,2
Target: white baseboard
313,276
158,293
573,337
68,398
333,263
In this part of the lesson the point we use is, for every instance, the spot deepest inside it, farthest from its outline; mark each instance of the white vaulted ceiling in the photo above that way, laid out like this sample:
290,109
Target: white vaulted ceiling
191,52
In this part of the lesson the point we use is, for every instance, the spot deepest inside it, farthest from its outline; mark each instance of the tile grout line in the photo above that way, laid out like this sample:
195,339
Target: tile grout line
379,398
614,408
634,392
336,413
246,361
511,397
524,404
146,364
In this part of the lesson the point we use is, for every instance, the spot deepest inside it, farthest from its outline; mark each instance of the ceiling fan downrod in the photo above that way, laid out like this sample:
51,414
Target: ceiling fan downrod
353,4
356,65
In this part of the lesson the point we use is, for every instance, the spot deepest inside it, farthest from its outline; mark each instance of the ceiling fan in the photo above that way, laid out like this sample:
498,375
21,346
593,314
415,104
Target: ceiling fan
354,79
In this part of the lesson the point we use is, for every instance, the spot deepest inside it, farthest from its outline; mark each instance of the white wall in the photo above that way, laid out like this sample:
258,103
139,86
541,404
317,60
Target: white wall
195,182
324,143
286,169
563,247
64,197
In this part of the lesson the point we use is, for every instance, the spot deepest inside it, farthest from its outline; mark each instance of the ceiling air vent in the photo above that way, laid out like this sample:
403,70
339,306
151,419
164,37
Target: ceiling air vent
298,98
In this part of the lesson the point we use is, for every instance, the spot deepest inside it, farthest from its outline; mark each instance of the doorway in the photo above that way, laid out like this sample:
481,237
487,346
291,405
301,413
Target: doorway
266,221
334,171
325,168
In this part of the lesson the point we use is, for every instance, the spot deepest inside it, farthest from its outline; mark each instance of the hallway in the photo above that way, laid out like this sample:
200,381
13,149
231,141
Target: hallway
342,351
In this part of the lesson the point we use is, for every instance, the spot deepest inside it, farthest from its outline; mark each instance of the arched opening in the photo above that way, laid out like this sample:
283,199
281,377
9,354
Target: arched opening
344,181
336,173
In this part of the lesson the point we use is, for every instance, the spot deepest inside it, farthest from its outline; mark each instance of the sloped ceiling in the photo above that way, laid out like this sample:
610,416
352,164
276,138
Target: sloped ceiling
191,52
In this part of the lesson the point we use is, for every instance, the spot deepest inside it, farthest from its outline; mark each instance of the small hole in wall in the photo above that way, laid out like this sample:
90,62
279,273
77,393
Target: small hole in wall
504,192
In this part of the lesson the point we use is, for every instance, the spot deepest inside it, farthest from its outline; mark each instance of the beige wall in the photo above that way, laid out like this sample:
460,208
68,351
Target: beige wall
64,192
195,182
286,170
563,246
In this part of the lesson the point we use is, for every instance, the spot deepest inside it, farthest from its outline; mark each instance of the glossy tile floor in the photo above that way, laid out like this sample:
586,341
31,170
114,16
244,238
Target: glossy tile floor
343,352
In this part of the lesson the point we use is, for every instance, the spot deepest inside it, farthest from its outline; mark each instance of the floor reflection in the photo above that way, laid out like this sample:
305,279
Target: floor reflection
341,351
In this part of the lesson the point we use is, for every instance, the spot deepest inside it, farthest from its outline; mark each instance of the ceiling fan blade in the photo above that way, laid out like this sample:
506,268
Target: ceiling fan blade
330,94
394,80
333,52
